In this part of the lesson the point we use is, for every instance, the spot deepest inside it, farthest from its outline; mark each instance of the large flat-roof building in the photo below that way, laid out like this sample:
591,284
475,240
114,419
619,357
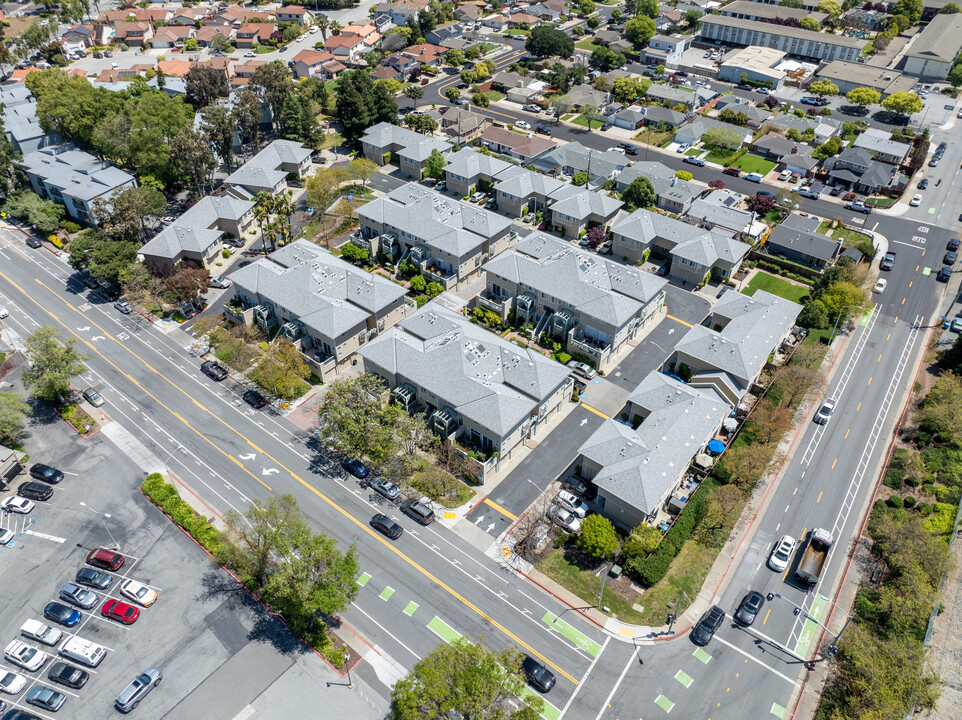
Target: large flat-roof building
850,75
934,50
591,305
471,384
757,64
794,41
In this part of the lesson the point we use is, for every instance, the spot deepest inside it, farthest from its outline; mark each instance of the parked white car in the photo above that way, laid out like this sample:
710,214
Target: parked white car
522,125
917,200
784,175
571,503
565,519
25,656
11,682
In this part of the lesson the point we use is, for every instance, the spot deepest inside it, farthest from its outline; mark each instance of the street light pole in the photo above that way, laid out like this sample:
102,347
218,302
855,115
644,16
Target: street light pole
833,648
103,522
839,318
674,613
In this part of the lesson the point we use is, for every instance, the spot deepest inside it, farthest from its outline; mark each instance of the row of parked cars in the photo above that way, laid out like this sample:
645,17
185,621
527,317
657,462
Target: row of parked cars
28,494
76,595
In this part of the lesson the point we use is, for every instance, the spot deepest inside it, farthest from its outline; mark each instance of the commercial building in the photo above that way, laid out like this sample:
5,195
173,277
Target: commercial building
756,64
591,305
935,49
850,75
794,41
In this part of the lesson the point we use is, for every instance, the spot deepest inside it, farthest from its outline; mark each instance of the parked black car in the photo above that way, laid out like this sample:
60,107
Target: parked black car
255,399
68,675
93,578
705,630
538,675
46,473
35,491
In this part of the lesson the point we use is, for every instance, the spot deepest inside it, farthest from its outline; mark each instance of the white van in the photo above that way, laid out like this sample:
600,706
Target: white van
43,633
83,651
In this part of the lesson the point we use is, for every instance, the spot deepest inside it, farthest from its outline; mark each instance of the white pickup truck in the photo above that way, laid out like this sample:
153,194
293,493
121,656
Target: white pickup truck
45,634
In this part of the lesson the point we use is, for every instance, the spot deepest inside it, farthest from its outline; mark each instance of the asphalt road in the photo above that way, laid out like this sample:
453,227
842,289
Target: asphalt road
431,583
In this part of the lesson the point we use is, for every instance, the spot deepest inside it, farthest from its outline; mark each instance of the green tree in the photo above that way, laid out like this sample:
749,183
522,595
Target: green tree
721,509
598,537
950,9
204,85
192,157
821,88
626,89
414,93
832,146
912,9
361,103
830,7
299,120
271,83
421,123
418,284
692,17
809,23
454,57
640,30
264,535
579,179
480,99
217,125
246,113
606,59
642,541
796,4
363,169
863,96
941,411
722,138
124,215
433,289
547,41
452,93
51,364
466,680
434,165
473,52
13,417
640,194
648,8
30,208
955,76
358,420
903,103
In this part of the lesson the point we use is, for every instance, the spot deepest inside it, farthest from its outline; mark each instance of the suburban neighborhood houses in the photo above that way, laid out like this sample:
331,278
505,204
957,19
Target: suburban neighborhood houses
495,350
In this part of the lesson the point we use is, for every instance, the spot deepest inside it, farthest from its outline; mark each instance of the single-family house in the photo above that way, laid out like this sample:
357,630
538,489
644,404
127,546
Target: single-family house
526,148
581,95
134,34
675,97
658,116
854,168
294,14
250,34
267,171
439,35
881,147
463,126
692,132
497,23
673,194
399,12
311,63
171,36
797,239
367,32
208,35
720,211
574,157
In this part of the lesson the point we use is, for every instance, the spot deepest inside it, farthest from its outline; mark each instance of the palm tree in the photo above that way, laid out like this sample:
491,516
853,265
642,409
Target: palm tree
284,206
335,27
322,24
414,93
262,213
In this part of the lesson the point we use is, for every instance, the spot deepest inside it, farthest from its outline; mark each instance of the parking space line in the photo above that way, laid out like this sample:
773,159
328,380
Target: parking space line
44,536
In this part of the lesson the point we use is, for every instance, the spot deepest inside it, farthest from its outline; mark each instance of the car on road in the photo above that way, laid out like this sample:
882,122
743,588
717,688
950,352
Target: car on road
763,91
530,107
138,592
11,683
385,525
582,369
953,244
93,397
887,262
356,468
858,207
17,505
93,578
105,559
934,162
692,160
705,630
522,125
944,274
220,282
68,675
214,370
825,411
255,399
91,283
60,613
49,475
250,54
385,487
880,286
565,519
917,200
538,675
572,503
35,491
25,656
123,306
542,130
131,695
733,171
807,191
749,608
46,698
76,595
120,611
108,54
34,243
950,257
782,553
923,183
418,511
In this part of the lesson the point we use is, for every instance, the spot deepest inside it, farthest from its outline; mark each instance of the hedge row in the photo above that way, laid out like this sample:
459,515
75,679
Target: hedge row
651,569
165,497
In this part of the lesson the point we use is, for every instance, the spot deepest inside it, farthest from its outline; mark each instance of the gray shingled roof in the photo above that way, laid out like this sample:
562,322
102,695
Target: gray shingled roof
742,348
598,288
78,174
527,183
662,179
810,243
941,40
441,222
261,171
487,380
586,203
642,466
329,295
644,226
720,208
469,163
193,231
576,155
708,248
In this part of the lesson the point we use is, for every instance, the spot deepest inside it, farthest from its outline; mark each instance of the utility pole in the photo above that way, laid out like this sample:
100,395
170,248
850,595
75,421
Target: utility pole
673,615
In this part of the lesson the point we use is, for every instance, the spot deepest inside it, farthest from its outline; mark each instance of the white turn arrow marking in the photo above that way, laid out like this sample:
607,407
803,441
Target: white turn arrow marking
584,422
83,329
249,456
671,330
479,520
95,338
489,528
269,471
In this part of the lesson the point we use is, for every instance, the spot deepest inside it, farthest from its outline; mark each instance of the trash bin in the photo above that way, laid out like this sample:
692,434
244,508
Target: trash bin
946,323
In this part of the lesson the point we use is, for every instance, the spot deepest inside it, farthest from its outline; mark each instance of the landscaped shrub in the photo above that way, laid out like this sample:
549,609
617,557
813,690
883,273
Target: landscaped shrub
653,568
165,497
909,501
923,509
895,501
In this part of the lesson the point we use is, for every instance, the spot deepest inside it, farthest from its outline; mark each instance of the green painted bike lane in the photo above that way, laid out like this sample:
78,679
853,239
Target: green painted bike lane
565,630
811,627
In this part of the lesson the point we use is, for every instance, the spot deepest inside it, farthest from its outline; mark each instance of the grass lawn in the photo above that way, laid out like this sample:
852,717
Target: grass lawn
331,140
332,85
850,237
566,118
754,164
687,574
776,286
772,217
693,152
438,485
585,585
722,156
583,121
494,95
880,202
587,45
656,138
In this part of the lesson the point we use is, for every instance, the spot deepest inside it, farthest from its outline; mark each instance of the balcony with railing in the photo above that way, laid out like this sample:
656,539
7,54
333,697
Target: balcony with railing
597,350
498,304
433,272
265,317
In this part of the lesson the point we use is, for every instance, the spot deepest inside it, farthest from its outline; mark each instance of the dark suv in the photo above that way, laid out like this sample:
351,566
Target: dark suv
46,473
705,630
214,370
35,491
417,510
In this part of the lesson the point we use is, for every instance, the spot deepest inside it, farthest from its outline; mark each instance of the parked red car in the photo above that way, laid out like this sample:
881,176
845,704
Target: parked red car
120,611
733,171
105,559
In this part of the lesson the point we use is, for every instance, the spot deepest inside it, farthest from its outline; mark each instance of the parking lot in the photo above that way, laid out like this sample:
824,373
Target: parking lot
219,652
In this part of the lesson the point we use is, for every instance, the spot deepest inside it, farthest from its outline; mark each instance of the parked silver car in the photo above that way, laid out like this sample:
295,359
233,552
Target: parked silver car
131,695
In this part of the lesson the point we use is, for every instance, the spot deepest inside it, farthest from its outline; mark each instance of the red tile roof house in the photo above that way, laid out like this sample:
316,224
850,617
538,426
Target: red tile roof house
244,71
172,36
311,63
188,16
235,14
133,15
294,13
205,35
426,53
345,47
134,34
250,33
